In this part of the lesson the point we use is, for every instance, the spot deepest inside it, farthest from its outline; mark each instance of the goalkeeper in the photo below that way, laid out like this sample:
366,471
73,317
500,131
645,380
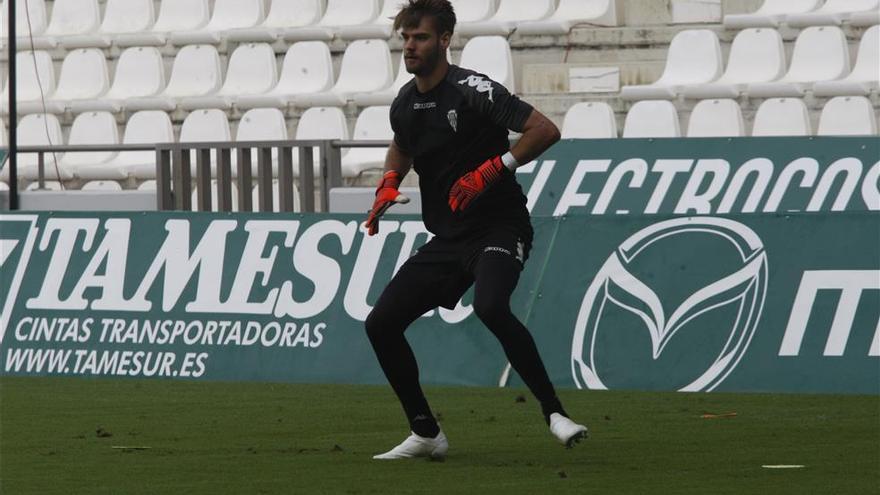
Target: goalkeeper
451,125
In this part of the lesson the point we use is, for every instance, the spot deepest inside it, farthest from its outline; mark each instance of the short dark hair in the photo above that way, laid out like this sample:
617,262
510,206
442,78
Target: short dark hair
412,12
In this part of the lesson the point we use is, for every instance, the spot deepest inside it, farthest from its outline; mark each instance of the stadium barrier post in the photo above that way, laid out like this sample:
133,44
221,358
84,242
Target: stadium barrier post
164,199
224,179
41,171
285,178
13,106
182,179
264,177
244,180
306,179
203,179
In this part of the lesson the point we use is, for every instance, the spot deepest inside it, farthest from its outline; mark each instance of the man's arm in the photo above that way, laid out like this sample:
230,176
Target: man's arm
539,134
397,165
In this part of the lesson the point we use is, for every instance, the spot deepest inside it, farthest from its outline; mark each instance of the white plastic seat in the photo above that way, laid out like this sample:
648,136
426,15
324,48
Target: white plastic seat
339,15
771,13
380,28
101,185
490,55
716,118
36,80
69,18
589,120
283,15
38,130
847,116
148,185
782,117
147,127
756,55
320,123
120,17
174,16
373,124
228,14
30,22
251,71
262,124
694,58
83,77
307,68
832,13
510,13
652,119
90,128
140,72
49,185
820,54
205,126
386,96
366,67
865,75
196,72
570,13
473,10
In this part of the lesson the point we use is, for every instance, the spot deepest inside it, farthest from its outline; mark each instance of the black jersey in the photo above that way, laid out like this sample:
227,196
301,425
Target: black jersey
451,130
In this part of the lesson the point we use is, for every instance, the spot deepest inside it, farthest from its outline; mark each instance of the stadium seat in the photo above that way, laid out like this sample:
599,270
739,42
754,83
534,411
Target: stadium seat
589,120
196,72
366,67
716,118
473,10
339,13
373,124
49,185
380,28
652,119
251,71
140,72
4,186
307,68
174,16
120,17
90,128
83,77
148,185
101,185
205,126
38,130
490,55
510,13
820,54
228,14
570,13
694,58
782,117
36,80
832,13
865,76
772,13
35,13
847,116
69,18
320,123
756,55
146,127
262,124
283,15
386,96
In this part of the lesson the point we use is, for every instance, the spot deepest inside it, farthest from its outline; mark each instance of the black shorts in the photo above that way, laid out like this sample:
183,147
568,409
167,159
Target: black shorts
448,265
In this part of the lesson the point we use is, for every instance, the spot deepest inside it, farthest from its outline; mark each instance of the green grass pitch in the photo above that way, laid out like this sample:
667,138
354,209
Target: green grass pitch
64,436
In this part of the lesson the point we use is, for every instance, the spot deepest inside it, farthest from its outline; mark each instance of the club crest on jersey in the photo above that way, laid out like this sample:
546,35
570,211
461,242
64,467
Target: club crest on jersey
481,85
452,115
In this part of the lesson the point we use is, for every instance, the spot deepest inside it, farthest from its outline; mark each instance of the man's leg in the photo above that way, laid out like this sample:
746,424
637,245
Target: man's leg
496,276
410,294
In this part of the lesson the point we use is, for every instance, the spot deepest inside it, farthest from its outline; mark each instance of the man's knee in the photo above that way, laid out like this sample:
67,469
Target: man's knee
491,310
373,324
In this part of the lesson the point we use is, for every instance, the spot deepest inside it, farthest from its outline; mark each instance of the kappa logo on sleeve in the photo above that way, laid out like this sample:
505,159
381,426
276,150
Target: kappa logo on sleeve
480,84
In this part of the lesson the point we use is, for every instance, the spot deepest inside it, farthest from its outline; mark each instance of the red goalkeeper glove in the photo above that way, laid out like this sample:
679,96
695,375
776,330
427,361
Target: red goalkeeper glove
386,195
473,183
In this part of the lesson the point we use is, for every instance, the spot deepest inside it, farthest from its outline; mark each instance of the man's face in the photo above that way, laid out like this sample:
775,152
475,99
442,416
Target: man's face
422,47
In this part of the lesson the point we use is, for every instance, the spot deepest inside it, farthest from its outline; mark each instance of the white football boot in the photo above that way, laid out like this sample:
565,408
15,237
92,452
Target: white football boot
566,431
416,446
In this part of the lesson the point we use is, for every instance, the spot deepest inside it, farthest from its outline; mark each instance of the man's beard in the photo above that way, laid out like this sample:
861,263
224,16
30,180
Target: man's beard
429,62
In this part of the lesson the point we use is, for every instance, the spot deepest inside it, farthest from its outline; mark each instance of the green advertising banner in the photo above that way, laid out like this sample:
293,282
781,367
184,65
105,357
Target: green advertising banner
703,176
741,302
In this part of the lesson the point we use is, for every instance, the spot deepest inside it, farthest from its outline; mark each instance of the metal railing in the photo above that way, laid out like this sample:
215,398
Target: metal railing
174,180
